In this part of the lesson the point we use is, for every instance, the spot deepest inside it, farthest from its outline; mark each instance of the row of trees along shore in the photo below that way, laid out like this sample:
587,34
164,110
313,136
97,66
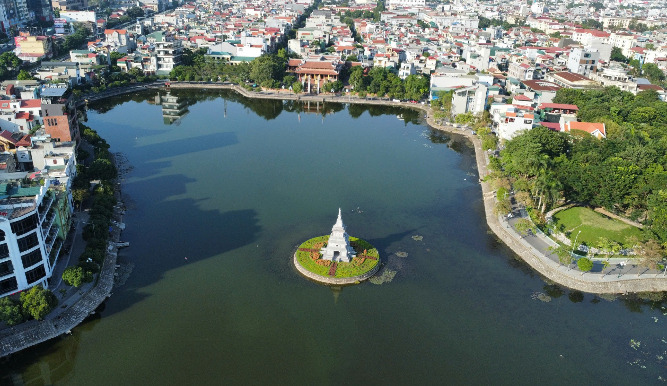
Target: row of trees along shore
37,302
269,71
98,167
626,173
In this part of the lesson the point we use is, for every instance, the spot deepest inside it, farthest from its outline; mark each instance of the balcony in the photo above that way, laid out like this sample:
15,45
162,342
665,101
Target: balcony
51,239
48,222
45,206
55,252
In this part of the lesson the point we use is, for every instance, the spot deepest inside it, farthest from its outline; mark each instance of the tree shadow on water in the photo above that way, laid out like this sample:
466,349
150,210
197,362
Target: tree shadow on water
167,233
161,234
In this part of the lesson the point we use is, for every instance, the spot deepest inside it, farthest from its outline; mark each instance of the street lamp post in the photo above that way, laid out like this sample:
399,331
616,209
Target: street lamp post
575,241
572,252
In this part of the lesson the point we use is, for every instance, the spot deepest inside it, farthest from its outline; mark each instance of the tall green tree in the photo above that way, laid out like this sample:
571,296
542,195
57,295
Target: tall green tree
653,73
584,264
11,311
75,276
267,68
416,87
24,75
135,12
617,55
356,79
38,302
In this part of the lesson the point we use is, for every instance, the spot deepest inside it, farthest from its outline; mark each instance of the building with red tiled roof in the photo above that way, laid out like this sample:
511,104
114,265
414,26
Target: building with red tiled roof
9,141
569,79
595,129
559,108
314,72
644,87
60,125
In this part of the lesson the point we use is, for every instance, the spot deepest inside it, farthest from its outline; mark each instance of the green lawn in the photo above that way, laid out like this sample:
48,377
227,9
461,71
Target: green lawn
344,269
593,225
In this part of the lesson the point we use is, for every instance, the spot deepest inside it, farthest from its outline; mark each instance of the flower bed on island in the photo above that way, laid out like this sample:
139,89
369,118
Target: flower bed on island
308,256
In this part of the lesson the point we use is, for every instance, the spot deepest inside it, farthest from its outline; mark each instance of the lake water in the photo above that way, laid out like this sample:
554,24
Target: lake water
235,185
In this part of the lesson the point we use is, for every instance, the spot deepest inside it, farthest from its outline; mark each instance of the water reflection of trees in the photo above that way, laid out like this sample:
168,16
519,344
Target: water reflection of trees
48,363
407,115
271,108
313,107
651,300
632,302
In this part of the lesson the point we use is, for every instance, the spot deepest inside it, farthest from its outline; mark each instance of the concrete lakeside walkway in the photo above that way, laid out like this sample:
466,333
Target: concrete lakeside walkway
532,249
73,310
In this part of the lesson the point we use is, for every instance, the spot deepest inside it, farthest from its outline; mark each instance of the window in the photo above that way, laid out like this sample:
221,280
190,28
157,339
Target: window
6,268
2,233
35,274
8,285
4,251
24,225
28,242
31,258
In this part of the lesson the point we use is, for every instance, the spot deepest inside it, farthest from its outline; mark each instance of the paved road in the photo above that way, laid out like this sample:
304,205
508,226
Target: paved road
78,245
617,267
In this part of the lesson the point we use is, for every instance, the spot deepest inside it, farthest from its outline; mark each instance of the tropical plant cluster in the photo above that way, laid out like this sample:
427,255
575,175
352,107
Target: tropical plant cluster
383,82
623,173
9,65
131,15
34,303
73,41
102,201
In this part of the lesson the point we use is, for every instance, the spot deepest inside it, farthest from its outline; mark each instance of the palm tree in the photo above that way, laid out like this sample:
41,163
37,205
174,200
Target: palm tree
548,188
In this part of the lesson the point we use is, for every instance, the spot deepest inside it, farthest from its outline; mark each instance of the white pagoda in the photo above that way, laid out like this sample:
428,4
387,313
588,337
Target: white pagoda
338,248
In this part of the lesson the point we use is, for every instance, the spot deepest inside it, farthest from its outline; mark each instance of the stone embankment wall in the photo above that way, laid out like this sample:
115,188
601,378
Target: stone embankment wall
116,91
334,280
589,282
60,320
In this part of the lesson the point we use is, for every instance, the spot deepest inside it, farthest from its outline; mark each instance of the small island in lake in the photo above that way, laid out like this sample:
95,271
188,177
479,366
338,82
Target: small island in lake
337,258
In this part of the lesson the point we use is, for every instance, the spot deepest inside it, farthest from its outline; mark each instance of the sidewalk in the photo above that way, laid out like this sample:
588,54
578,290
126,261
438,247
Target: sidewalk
75,305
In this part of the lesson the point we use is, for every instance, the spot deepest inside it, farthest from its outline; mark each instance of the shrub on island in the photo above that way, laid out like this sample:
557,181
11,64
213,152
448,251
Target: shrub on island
309,257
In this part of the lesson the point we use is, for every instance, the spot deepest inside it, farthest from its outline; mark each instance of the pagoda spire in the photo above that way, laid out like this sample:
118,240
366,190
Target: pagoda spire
338,247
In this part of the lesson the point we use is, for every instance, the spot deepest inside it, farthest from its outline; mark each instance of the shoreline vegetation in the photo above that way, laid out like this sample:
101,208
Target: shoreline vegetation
99,257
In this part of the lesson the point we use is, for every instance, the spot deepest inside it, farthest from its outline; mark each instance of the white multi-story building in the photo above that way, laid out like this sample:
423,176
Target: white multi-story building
406,70
28,235
168,52
510,123
392,4
582,61
470,99
522,71
623,41
78,16
118,40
